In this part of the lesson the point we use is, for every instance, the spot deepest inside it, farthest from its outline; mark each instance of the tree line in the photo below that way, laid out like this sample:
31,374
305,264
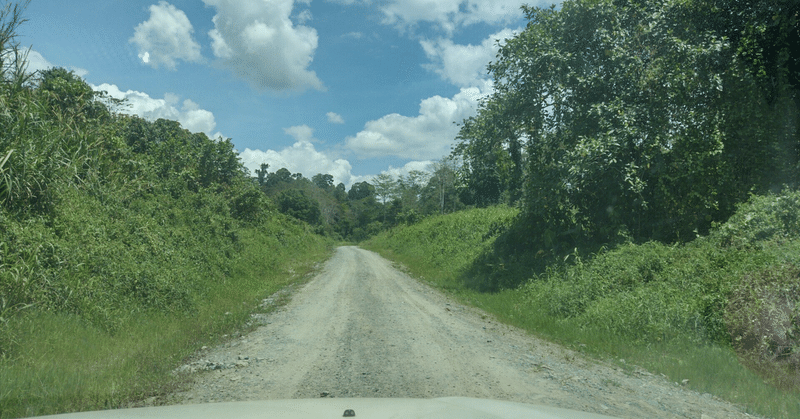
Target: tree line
611,121
618,120
367,207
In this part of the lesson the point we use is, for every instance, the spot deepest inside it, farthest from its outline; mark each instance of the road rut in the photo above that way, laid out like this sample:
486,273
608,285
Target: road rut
361,328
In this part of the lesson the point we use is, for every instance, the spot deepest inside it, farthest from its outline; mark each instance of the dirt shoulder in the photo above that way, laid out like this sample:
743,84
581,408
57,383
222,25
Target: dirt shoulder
364,329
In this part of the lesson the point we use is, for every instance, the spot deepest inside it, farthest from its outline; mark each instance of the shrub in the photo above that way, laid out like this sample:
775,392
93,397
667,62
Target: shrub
763,317
761,219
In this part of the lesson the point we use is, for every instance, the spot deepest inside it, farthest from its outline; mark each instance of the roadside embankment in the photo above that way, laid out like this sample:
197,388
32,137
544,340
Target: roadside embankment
666,308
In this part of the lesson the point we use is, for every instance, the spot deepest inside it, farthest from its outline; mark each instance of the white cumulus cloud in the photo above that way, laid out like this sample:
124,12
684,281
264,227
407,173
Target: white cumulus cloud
335,118
428,135
188,113
304,16
37,62
300,157
448,15
259,43
166,37
397,172
464,65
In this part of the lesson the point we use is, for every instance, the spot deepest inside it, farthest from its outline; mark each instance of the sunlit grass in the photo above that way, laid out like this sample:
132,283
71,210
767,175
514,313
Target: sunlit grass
709,368
61,363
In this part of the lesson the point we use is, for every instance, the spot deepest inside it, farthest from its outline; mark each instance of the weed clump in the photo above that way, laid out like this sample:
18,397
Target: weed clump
763,316
761,220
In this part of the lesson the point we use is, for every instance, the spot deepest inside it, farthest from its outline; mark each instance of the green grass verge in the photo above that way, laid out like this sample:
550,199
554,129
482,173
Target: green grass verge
62,363
657,306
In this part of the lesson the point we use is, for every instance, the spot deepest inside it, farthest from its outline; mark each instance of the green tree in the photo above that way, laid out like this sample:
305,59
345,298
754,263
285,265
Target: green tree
323,181
13,59
440,195
282,176
69,94
360,191
262,174
296,203
385,189
481,167
340,192
410,189
219,162
491,153
363,212
633,116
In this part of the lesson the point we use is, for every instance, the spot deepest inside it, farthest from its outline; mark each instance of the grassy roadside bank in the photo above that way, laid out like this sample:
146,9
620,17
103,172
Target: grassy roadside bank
652,305
62,363
125,243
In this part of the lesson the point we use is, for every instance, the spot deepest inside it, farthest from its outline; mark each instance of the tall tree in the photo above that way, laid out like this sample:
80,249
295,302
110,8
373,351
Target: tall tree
491,151
440,194
262,174
340,192
13,59
633,115
282,176
323,181
410,189
360,191
385,189
296,203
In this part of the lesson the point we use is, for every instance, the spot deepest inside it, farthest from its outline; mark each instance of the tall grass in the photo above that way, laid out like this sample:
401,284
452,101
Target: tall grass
441,248
62,363
663,307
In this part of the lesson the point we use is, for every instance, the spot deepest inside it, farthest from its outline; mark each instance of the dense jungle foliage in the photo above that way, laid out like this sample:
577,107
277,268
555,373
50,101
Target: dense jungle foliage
368,207
125,244
105,216
611,121
647,152
618,120
94,206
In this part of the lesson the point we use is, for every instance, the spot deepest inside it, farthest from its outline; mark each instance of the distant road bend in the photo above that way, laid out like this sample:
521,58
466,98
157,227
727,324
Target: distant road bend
361,328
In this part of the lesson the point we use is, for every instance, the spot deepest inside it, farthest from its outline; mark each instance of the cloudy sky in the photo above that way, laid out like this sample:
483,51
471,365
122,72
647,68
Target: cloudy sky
346,87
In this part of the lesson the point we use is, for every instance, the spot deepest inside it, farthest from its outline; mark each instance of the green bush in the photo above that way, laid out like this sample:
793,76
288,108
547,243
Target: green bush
762,219
763,316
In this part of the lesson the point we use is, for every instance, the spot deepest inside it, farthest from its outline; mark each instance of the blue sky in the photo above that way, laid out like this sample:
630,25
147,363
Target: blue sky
347,87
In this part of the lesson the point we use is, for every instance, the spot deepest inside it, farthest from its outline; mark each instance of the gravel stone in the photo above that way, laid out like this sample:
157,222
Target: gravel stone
362,328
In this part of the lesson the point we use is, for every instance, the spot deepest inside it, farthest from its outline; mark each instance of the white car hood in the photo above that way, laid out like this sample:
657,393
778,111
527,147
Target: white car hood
440,408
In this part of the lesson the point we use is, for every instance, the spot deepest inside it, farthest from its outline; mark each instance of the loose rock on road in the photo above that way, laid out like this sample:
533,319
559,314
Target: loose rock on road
361,328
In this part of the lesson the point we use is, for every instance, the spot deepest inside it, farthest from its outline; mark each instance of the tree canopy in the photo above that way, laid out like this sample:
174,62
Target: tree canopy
638,119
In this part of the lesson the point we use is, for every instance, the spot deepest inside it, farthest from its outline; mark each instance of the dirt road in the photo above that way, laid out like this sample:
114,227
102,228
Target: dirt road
363,329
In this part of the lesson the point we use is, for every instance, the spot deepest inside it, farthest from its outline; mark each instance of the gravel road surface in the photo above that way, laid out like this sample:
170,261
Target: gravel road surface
361,328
